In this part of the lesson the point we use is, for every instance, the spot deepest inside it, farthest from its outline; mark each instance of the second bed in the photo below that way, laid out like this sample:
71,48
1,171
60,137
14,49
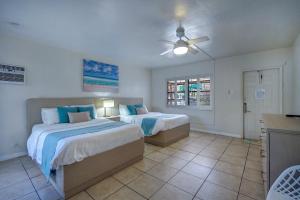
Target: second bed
159,128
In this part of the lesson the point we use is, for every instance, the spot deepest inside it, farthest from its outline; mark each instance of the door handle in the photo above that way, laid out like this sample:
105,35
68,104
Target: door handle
245,108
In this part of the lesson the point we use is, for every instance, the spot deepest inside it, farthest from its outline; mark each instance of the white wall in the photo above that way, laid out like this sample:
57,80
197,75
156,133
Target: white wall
296,80
50,72
226,117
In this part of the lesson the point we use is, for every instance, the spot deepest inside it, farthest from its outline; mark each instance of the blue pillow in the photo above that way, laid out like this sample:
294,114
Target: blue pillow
88,109
132,108
138,106
63,113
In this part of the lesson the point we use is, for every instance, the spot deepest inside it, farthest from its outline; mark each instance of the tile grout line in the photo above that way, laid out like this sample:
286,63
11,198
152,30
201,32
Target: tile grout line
179,170
243,173
213,168
186,165
109,194
166,182
30,179
243,176
89,194
127,184
123,184
195,196
159,163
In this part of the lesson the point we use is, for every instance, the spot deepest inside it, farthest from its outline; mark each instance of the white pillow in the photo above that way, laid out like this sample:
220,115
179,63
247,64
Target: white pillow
50,116
146,109
123,109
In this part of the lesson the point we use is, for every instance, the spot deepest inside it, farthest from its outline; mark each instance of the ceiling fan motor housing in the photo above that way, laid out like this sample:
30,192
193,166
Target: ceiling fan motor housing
180,32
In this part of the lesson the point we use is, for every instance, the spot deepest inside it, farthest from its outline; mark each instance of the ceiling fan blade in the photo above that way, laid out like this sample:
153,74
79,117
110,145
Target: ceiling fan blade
193,50
166,52
197,40
167,42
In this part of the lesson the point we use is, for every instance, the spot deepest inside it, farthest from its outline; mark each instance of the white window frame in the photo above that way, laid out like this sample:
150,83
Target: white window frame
186,78
175,92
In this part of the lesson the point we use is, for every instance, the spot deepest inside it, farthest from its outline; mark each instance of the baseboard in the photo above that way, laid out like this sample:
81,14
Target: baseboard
13,155
215,132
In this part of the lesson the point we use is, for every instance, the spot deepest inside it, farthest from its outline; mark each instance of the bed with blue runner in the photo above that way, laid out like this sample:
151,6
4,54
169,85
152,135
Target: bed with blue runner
52,139
148,123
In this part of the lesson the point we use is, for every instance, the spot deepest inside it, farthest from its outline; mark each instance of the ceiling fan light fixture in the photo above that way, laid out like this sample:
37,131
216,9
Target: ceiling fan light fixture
180,50
182,47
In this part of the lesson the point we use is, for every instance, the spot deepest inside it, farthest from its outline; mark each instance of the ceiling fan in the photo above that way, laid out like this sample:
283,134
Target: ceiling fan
183,46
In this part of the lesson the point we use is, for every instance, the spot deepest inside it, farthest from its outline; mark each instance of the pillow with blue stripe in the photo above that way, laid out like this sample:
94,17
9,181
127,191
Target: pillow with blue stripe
63,113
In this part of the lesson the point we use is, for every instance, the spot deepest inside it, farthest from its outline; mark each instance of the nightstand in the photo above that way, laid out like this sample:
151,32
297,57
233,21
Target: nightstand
114,118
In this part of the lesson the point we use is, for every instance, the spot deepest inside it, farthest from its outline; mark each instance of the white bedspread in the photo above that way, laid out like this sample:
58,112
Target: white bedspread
162,124
76,148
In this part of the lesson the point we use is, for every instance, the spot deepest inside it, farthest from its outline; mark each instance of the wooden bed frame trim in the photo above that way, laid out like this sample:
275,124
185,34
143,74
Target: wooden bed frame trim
72,179
165,138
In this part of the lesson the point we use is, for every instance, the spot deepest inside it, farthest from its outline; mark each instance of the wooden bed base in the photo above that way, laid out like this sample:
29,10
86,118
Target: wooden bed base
165,138
72,179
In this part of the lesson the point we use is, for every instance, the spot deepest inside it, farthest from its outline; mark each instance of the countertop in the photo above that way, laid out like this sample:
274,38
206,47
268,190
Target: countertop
281,123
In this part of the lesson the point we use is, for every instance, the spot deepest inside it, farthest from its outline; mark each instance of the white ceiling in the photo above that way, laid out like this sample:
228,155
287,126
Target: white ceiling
128,31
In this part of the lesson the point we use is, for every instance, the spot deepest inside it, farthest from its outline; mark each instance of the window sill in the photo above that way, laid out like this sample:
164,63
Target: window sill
191,108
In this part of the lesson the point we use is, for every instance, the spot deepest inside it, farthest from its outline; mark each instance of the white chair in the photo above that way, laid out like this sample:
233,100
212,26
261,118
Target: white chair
287,185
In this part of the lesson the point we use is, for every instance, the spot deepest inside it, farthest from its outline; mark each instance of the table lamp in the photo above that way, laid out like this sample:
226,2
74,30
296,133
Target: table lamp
108,104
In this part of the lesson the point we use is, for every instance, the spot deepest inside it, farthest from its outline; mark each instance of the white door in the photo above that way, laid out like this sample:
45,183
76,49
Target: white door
261,95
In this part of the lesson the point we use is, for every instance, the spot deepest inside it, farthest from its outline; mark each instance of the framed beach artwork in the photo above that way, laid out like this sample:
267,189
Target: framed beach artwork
100,77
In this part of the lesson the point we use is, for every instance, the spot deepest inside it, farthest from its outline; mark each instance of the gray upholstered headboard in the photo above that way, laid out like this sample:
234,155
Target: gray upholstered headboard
34,105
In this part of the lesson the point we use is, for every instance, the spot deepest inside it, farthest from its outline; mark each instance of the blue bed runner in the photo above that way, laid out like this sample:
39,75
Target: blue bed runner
51,141
148,123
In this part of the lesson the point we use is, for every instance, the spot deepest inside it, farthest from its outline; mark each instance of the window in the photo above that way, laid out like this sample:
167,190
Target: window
204,91
171,93
180,92
192,91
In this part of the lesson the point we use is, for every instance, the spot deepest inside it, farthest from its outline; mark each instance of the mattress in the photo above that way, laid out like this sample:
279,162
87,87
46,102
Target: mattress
164,121
76,148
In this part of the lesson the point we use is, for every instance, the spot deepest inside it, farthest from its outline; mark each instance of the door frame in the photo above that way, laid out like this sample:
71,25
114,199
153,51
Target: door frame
244,70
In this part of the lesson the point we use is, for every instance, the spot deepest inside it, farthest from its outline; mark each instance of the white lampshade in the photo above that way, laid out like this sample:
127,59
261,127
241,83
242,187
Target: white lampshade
108,103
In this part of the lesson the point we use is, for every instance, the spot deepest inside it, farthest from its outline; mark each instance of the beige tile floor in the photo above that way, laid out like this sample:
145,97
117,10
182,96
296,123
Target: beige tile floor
202,166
